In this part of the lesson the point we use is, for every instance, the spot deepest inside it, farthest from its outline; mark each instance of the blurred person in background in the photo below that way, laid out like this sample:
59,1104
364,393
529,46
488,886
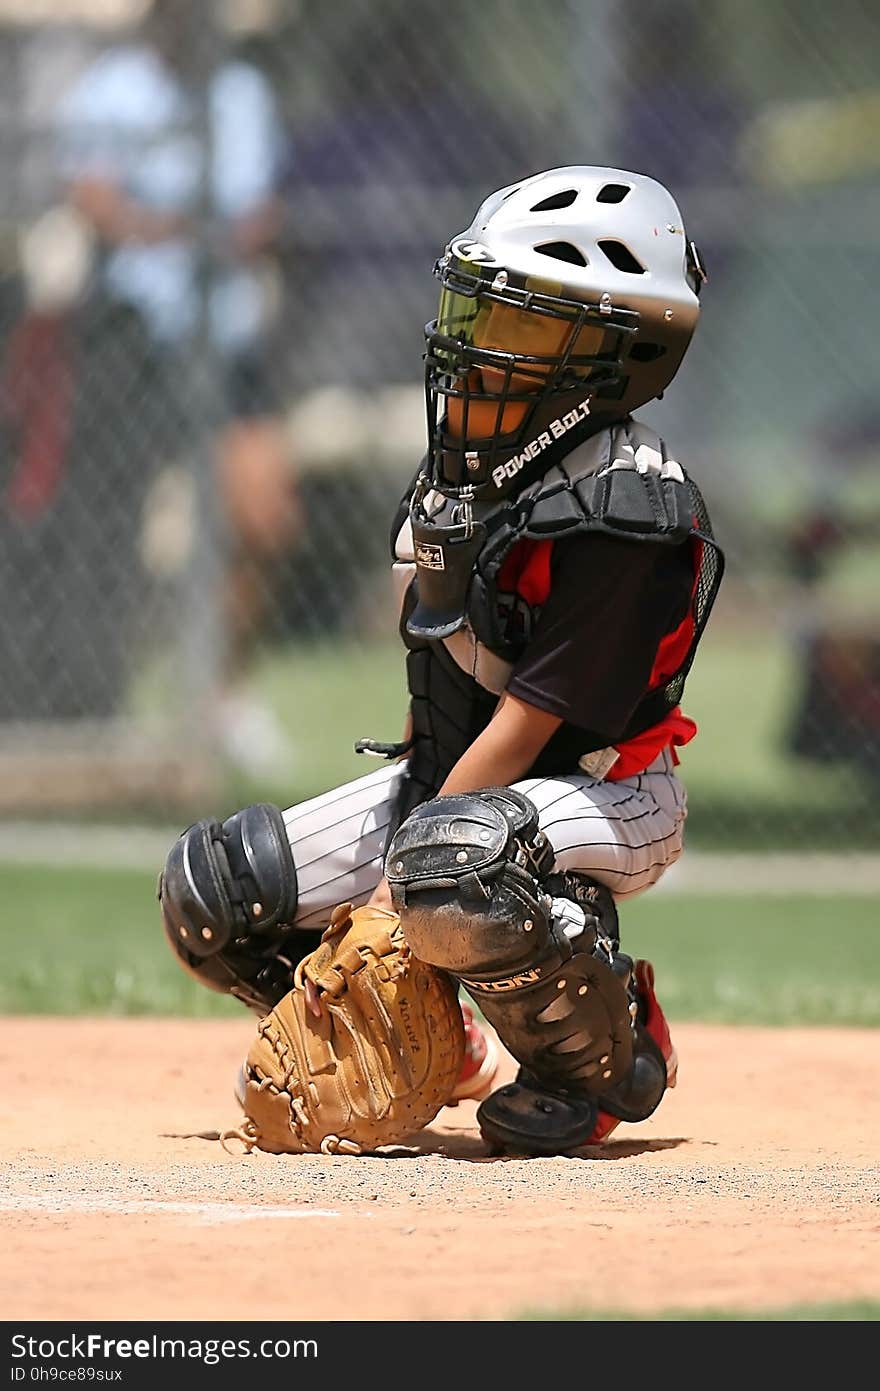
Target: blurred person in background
831,551
76,376
189,249
372,162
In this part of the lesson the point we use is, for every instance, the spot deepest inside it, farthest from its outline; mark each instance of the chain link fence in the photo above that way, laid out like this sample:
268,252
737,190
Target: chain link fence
218,228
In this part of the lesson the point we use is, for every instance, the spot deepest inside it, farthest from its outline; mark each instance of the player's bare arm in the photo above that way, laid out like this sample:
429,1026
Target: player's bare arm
118,218
505,750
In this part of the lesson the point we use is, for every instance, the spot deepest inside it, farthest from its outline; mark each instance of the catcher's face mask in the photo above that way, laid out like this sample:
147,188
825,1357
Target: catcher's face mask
567,303
507,357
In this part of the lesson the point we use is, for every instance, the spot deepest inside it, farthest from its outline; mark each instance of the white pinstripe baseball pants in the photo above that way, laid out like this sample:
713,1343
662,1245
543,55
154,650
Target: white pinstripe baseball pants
623,834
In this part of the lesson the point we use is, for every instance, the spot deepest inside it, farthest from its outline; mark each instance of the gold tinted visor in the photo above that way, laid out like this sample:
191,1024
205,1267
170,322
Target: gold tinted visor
540,340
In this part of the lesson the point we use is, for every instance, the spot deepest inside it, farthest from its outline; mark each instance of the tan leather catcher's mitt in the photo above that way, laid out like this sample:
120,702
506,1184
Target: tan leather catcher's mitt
364,1050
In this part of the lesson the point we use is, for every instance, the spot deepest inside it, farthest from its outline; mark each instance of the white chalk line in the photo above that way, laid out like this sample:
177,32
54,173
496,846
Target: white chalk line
53,1205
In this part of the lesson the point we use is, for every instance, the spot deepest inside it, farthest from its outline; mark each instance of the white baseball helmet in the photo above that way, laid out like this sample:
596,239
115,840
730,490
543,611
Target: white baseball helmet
572,296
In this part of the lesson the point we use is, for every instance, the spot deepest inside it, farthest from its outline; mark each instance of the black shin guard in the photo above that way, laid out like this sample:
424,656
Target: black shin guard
228,895
525,1118
470,877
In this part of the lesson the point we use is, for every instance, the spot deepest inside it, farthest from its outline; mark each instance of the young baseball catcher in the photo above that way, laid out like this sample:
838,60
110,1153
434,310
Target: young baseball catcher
556,569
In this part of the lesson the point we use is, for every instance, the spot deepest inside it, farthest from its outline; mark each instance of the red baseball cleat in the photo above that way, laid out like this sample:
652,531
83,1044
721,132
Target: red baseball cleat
655,1020
480,1064
654,1023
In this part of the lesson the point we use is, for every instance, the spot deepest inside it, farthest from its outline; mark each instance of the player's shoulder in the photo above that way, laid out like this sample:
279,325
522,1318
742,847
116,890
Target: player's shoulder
125,62
623,481
637,443
117,82
238,80
627,445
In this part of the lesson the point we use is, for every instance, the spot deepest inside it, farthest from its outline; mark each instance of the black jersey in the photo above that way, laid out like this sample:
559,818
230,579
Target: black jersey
584,595
594,649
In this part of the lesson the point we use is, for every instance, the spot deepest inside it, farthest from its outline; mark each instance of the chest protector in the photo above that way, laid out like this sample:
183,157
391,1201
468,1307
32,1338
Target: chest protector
464,632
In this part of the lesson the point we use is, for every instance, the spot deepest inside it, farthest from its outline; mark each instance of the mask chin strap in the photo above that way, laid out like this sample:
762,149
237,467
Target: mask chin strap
445,556
557,428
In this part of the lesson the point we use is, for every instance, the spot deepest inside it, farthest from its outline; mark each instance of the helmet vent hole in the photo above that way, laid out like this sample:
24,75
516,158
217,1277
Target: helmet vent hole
562,251
556,200
612,193
621,257
646,352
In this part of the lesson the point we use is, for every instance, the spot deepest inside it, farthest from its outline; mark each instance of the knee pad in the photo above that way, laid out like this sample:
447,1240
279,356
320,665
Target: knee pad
464,875
471,877
228,894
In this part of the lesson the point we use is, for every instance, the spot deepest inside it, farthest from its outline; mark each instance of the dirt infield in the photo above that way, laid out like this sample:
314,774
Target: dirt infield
754,1185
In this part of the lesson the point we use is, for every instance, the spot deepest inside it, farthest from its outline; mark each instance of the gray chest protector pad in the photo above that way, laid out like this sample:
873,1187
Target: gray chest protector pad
620,482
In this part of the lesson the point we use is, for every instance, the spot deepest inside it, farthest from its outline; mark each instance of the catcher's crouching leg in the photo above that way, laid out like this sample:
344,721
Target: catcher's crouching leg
228,894
471,876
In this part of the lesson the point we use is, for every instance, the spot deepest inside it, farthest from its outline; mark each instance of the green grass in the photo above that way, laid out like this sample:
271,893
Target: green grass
83,941
327,696
745,789
854,1311
739,692
90,941
765,960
